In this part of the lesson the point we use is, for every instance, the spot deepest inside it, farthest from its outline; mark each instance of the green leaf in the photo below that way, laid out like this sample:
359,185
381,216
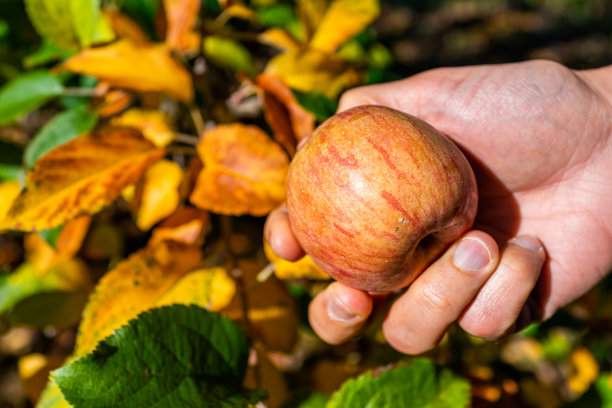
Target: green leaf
59,130
46,53
69,23
276,15
10,161
230,54
50,236
175,356
53,298
417,384
26,93
320,105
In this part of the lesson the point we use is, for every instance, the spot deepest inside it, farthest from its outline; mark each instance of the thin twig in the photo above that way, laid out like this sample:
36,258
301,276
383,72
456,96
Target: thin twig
84,92
185,138
198,120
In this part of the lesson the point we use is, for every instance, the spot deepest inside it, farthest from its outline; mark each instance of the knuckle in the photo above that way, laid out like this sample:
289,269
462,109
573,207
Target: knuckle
433,301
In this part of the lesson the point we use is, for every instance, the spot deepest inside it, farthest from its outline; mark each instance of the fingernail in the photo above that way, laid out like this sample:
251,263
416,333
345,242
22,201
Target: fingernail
527,242
338,311
471,255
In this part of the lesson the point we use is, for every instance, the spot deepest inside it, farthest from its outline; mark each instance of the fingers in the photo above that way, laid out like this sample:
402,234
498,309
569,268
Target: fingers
504,305
278,234
339,312
419,318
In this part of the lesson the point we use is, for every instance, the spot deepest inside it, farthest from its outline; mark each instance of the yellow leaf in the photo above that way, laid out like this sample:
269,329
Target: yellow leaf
188,226
291,122
313,70
134,286
244,171
279,38
211,288
9,190
141,67
81,176
304,268
585,370
160,193
311,13
125,27
153,124
342,20
181,18
34,370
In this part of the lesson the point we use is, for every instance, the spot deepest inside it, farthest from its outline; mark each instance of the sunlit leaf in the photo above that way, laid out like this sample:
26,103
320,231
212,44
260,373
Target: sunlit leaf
153,124
244,171
311,13
585,370
290,121
278,38
62,128
313,70
9,190
418,384
27,92
212,289
134,286
140,67
342,20
181,18
69,23
188,225
81,176
160,195
305,268
229,54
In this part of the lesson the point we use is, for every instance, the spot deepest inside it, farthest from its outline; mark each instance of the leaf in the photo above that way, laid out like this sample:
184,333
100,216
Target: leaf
160,193
27,92
141,67
244,171
172,356
53,297
188,225
342,20
9,190
153,124
230,54
181,18
278,38
585,370
305,268
59,130
68,23
135,285
320,105
313,70
34,370
414,385
291,122
212,289
124,27
81,176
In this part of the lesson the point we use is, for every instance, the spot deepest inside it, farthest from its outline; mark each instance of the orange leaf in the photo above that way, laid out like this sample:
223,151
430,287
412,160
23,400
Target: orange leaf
244,171
9,190
113,101
125,27
291,122
81,176
141,67
132,287
181,18
153,124
160,195
188,226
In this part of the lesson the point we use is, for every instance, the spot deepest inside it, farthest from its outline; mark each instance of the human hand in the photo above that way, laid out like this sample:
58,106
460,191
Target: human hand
538,136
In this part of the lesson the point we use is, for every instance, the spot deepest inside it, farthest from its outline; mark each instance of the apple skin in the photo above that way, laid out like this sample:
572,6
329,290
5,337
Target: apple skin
375,195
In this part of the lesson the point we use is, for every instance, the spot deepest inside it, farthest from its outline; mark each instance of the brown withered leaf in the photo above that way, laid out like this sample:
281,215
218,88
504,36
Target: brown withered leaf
81,176
141,67
244,171
313,70
135,285
160,193
181,18
342,20
290,121
188,225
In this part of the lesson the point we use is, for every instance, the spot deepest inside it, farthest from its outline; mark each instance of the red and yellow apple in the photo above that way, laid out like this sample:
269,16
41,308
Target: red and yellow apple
375,195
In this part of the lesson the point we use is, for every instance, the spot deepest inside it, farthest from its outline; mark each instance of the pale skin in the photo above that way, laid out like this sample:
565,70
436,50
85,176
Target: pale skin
539,137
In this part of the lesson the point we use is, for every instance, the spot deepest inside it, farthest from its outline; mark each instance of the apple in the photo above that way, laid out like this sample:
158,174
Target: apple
375,195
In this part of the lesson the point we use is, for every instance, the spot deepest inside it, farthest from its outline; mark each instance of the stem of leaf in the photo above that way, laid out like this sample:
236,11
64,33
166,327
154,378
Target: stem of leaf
198,120
185,138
